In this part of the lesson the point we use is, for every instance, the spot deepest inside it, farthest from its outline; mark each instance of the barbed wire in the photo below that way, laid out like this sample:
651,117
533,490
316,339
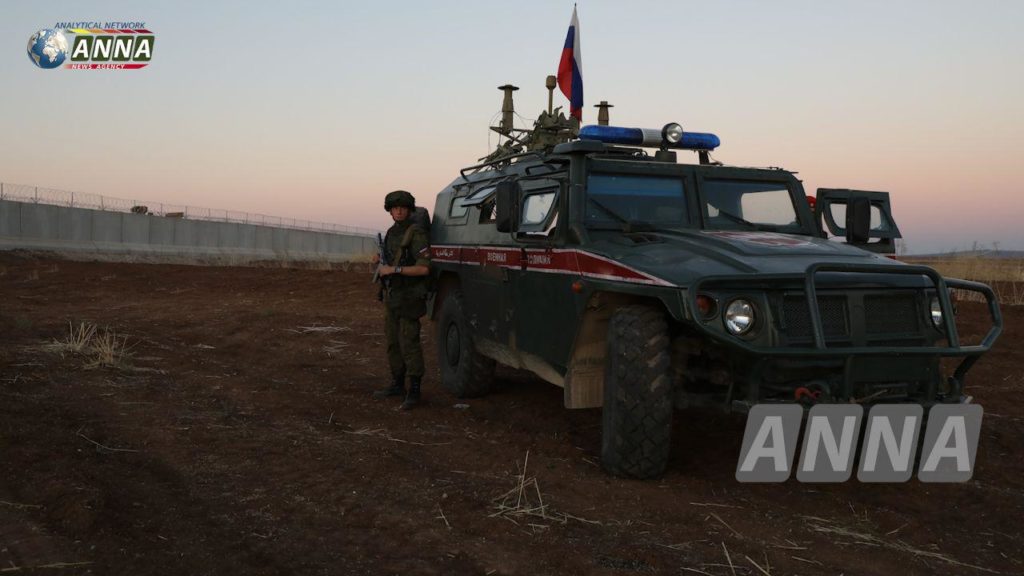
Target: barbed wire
51,196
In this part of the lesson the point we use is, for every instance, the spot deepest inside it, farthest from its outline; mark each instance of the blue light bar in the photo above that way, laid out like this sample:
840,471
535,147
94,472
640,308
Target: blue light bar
647,137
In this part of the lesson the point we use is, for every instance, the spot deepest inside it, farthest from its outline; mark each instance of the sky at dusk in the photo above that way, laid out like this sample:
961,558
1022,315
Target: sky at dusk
316,110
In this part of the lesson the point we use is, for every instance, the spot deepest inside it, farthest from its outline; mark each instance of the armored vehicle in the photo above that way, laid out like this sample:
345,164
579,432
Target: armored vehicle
640,284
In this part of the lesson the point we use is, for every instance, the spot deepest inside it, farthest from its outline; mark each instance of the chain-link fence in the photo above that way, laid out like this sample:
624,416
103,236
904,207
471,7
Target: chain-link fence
39,195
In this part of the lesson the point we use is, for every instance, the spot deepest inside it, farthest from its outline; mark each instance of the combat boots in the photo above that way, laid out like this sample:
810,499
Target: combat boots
397,388
412,399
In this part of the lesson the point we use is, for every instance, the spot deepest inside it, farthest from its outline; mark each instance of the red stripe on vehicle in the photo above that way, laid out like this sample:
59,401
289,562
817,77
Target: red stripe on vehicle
562,261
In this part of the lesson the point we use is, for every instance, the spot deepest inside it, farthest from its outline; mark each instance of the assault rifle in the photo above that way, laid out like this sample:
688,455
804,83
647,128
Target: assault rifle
382,255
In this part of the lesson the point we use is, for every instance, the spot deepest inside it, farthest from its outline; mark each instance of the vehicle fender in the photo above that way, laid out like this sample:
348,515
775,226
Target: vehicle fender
584,379
445,283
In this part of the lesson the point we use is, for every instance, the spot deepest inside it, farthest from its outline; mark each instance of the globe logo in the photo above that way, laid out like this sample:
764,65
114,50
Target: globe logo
48,48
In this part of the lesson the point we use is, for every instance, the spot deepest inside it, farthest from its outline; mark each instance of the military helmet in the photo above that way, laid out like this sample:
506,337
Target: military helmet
399,198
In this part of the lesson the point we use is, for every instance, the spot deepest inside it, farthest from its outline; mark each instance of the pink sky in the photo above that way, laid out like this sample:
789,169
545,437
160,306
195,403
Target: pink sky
331,108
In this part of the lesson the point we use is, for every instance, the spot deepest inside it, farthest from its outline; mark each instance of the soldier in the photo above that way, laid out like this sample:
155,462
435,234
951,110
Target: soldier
406,248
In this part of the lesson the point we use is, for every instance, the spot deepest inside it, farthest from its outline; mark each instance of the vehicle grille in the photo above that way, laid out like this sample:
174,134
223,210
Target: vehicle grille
890,314
891,317
833,317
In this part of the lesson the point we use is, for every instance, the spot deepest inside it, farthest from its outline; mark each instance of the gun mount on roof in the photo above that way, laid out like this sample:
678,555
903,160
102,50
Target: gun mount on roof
552,128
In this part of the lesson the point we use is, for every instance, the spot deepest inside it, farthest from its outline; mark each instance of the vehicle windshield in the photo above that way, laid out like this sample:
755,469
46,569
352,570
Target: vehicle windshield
618,200
749,205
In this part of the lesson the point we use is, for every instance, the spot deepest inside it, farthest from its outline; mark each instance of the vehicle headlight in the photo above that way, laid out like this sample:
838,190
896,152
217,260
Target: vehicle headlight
936,309
672,133
739,316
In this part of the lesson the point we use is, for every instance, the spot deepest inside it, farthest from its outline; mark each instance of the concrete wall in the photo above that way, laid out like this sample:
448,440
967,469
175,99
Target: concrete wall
29,226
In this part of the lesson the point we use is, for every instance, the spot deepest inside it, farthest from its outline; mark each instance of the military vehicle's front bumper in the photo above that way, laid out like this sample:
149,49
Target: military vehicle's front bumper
847,355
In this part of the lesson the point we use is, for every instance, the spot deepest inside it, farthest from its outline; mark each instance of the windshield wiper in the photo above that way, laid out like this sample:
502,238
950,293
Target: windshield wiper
737,219
627,224
609,211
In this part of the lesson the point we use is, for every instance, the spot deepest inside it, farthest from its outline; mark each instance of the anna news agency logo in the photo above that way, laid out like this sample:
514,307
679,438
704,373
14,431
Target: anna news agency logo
94,46
889,443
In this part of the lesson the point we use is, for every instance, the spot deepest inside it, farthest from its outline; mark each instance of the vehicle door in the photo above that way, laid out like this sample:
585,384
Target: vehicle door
485,255
541,287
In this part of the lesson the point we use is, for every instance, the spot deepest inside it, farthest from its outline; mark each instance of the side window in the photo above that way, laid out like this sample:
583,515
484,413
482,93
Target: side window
482,198
488,211
479,197
458,208
536,208
538,212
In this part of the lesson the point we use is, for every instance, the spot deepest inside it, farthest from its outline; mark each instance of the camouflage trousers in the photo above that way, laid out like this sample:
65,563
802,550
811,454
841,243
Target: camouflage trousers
405,354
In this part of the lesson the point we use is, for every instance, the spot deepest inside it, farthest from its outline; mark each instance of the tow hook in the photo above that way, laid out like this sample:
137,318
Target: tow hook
805,395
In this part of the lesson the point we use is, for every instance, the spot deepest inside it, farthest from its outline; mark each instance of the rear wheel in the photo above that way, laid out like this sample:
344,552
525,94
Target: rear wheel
464,371
637,414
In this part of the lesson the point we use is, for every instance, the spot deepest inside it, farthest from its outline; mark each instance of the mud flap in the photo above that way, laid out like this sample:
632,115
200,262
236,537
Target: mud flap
431,299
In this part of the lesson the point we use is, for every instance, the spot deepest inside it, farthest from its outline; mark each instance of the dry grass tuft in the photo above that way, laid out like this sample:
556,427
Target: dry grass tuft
524,503
76,342
104,348
109,349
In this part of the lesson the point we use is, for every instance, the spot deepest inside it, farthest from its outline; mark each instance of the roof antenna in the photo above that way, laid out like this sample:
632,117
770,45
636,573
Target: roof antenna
602,112
507,109
550,82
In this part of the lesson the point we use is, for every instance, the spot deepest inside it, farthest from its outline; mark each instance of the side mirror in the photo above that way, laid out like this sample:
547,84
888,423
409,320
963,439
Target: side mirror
506,199
858,220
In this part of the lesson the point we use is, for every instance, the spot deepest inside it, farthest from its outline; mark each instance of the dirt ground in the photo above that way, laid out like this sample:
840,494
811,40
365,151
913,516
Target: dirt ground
237,442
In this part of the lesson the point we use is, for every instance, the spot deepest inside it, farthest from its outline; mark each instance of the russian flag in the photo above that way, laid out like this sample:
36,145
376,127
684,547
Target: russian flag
570,69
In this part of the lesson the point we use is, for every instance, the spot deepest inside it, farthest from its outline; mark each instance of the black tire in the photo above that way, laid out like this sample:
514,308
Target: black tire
464,371
637,414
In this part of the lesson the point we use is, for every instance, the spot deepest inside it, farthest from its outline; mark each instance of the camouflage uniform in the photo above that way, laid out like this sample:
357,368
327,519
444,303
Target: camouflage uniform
405,299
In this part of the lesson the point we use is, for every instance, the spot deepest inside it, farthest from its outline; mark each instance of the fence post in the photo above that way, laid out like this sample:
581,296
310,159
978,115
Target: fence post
37,195
72,200
1,190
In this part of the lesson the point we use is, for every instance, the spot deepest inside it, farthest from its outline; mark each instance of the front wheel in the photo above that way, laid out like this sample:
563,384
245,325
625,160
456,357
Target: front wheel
465,372
637,414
